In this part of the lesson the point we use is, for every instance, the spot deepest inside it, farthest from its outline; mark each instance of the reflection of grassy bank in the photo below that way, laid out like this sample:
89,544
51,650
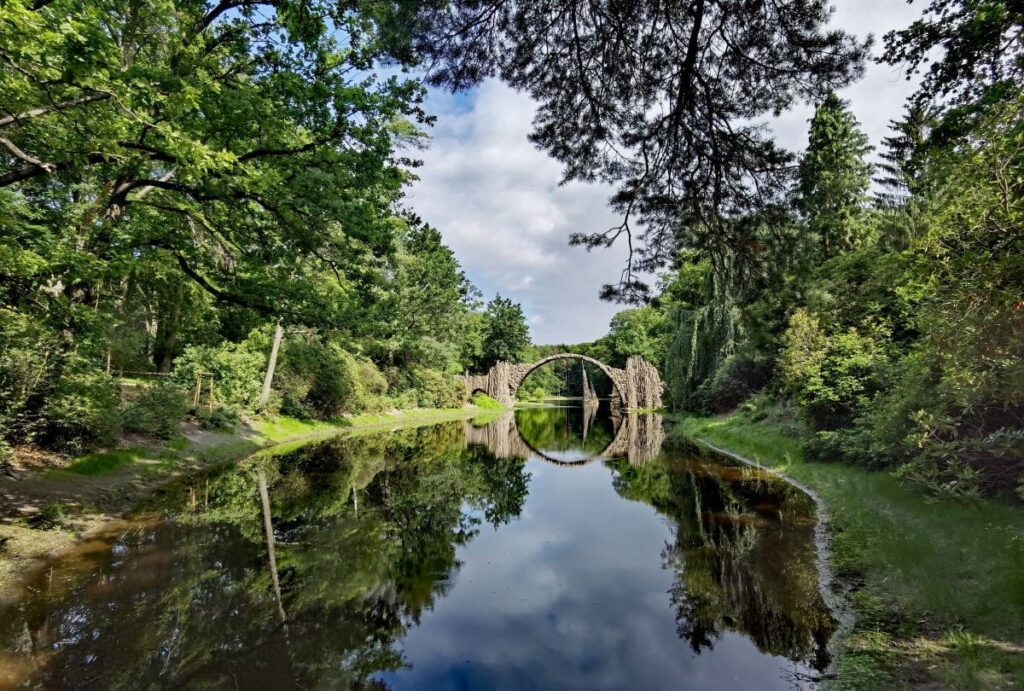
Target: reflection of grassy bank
938,588
98,486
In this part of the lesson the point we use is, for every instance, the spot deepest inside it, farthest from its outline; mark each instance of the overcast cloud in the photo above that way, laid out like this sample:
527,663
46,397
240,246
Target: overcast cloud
496,200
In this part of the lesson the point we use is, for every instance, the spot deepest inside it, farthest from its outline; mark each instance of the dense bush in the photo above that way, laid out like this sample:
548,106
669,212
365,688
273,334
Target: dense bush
736,379
80,413
833,376
482,400
220,418
437,389
237,369
316,380
158,410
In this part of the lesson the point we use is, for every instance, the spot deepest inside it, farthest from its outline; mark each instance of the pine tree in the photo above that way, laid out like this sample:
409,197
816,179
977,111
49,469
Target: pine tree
904,165
834,178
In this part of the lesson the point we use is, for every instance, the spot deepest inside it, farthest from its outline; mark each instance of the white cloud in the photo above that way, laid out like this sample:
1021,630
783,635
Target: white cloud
497,201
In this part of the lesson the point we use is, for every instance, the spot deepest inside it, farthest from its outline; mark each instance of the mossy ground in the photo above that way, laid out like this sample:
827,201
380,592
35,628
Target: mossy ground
937,587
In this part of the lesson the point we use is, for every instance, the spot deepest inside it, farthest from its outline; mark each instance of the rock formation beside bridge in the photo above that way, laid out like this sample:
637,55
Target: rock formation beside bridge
637,387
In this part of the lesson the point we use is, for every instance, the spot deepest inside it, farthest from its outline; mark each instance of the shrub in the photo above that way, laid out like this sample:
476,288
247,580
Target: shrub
834,376
157,411
316,380
803,349
80,413
844,445
482,400
438,390
370,379
221,417
237,369
49,516
6,455
736,379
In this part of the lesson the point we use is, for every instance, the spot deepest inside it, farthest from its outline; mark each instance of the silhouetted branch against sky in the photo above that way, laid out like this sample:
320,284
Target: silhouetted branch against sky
497,196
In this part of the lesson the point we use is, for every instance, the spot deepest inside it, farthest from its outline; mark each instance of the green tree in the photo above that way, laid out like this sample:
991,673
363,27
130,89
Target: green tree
232,137
426,315
663,100
505,334
834,178
905,161
638,332
982,52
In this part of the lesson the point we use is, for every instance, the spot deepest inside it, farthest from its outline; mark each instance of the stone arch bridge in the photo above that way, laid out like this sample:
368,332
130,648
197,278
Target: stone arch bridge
636,387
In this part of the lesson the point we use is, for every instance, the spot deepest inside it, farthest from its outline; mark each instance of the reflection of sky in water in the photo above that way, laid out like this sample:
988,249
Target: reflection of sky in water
570,455
571,595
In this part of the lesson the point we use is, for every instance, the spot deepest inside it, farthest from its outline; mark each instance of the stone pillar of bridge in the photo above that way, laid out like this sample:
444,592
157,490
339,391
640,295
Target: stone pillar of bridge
643,384
499,383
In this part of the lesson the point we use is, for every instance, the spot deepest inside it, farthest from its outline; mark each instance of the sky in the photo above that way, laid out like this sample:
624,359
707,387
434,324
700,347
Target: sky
497,202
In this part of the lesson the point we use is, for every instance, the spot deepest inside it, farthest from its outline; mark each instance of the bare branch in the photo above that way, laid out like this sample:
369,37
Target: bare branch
32,161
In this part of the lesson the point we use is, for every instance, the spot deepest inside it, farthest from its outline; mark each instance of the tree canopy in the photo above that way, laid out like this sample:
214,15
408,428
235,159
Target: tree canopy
662,99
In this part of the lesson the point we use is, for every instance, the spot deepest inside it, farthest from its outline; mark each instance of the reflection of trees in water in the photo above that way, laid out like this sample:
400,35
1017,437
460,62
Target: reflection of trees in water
542,432
744,555
364,533
562,428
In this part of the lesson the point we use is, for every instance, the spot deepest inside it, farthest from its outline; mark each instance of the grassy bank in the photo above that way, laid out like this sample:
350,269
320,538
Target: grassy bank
48,509
937,587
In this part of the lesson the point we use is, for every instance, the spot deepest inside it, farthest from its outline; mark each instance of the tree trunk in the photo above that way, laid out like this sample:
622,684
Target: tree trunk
167,335
272,364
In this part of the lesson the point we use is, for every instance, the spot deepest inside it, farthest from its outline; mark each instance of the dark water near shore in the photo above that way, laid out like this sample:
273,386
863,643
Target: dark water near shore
554,548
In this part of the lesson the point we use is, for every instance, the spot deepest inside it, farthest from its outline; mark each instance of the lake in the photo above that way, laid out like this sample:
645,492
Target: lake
553,547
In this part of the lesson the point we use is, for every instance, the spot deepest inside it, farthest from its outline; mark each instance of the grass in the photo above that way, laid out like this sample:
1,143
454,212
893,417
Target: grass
101,463
283,428
937,588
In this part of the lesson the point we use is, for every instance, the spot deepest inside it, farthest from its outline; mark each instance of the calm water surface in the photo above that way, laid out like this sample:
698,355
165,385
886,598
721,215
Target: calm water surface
554,548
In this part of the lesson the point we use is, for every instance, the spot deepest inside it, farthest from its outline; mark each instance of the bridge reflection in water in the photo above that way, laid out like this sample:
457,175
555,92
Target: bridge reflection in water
636,437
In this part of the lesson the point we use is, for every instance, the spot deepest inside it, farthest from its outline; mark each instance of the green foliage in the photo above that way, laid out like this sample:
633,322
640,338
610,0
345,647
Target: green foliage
905,353
101,463
427,318
736,379
979,63
702,339
437,390
482,400
80,413
177,179
505,333
157,410
832,376
637,332
834,178
220,418
316,380
237,369
50,516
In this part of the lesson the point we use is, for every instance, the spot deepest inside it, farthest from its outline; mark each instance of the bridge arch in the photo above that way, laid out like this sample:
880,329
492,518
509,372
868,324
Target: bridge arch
638,386
523,371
